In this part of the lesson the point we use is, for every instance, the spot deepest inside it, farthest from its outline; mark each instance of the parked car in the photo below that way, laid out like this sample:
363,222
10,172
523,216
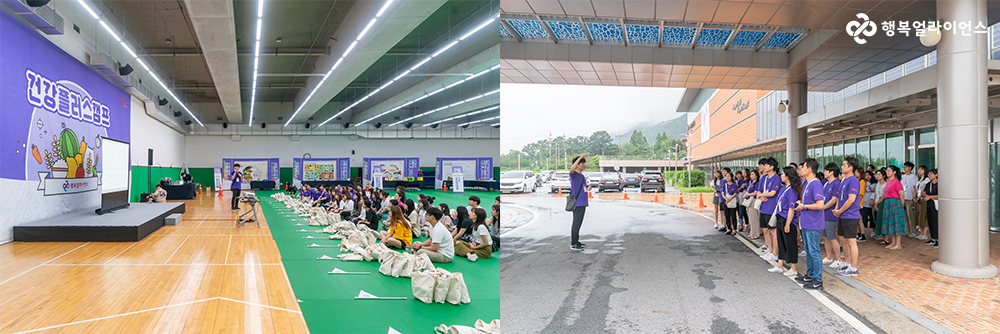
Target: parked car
631,180
560,180
611,181
518,180
593,178
651,180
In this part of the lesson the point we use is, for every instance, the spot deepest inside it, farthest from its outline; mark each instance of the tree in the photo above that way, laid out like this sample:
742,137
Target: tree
637,145
602,143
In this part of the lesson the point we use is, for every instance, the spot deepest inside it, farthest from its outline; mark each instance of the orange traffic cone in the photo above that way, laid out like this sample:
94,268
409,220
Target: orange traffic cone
201,191
444,186
560,191
625,195
701,201
682,199
656,197
590,195
220,191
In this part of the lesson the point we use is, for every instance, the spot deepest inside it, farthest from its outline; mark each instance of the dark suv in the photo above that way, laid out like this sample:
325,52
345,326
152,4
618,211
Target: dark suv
651,180
611,181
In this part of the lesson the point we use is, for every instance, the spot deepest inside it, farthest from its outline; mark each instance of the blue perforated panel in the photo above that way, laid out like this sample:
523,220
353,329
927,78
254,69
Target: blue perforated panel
748,38
567,30
648,34
504,32
672,35
605,32
933,58
781,40
529,29
714,36
995,43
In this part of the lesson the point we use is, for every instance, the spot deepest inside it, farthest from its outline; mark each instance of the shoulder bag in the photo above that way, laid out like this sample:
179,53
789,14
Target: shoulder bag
774,217
571,199
732,203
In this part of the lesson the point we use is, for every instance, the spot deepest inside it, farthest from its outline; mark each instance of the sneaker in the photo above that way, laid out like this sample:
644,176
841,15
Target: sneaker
802,253
582,244
920,237
473,257
827,261
775,270
771,257
861,238
791,273
929,242
843,266
576,247
935,245
763,248
813,286
803,279
850,272
873,235
911,235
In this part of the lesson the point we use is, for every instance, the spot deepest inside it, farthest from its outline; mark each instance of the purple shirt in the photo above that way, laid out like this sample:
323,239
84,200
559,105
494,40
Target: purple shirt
830,190
812,219
848,187
729,189
787,199
237,180
578,186
742,183
770,183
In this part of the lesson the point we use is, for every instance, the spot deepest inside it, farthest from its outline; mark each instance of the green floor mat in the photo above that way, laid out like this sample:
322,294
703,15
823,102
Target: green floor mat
328,303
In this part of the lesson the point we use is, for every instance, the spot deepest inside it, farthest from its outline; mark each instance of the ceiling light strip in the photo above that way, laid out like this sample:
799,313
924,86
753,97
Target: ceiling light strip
447,106
335,65
415,100
465,115
479,121
400,76
256,60
129,50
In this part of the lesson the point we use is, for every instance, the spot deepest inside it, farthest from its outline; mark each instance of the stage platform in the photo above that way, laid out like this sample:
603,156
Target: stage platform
131,224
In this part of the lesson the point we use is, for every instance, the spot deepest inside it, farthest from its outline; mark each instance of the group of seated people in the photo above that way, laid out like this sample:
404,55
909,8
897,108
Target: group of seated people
465,231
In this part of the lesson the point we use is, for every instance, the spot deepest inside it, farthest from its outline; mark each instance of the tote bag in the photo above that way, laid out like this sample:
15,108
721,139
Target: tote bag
571,199
774,217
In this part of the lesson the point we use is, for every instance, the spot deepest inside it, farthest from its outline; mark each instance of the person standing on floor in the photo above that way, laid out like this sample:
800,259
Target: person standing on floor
931,197
578,184
812,223
849,214
787,222
741,211
767,191
831,192
893,216
730,190
235,187
909,181
753,214
858,173
868,202
919,204
879,205
717,182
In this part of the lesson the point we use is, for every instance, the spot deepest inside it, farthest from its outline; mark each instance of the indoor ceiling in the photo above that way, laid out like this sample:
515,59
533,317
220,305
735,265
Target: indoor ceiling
294,38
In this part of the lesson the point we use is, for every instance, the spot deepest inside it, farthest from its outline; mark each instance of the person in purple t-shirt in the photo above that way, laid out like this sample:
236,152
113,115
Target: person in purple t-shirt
812,223
237,178
849,214
767,190
578,183
787,222
831,190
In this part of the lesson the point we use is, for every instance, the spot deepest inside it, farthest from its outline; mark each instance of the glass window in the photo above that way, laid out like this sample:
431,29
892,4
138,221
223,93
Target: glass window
828,153
927,136
838,152
864,152
849,148
878,151
894,149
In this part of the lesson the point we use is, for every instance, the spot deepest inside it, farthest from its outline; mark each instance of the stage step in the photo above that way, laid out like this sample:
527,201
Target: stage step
173,219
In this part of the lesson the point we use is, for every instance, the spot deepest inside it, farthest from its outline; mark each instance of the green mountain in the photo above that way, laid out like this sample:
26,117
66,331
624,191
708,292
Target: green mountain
675,128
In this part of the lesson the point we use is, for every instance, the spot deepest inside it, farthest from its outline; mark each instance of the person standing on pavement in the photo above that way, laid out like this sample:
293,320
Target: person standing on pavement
787,222
909,181
752,213
741,211
931,197
860,175
730,190
717,182
767,193
831,191
919,204
893,218
849,214
811,221
578,183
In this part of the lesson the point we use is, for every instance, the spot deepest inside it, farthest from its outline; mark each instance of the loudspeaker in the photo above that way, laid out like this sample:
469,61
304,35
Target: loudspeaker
163,102
378,125
187,122
307,125
409,125
347,125
125,70
225,125
150,157
177,114
37,3
263,125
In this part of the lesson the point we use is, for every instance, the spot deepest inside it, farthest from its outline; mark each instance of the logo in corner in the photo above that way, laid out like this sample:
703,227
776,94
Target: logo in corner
66,185
855,28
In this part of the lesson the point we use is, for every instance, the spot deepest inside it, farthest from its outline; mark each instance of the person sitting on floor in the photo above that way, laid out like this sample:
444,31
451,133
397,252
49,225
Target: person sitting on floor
494,221
158,196
399,234
439,247
367,217
463,226
446,217
482,247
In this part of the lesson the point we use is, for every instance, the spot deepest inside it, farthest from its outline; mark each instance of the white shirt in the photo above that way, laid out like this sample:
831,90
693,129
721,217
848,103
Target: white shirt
441,236
920,187
483,231
347,205
909,181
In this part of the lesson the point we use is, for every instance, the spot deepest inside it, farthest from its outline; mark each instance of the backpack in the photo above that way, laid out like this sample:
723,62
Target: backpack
496,241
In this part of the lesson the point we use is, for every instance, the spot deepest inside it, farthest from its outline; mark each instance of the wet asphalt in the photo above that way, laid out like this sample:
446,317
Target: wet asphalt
647,268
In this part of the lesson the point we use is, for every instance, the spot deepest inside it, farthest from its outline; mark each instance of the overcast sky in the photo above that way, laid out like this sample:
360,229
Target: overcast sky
530,112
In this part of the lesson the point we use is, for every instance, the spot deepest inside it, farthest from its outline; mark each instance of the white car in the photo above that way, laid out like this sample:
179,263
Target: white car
518,180
560,180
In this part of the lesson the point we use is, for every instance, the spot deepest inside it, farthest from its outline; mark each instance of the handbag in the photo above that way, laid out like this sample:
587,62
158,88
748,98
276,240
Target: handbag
731,203
571,199
748,202
774,217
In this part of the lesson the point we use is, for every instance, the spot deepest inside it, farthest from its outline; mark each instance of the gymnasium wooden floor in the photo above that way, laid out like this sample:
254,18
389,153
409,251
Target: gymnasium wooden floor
201,276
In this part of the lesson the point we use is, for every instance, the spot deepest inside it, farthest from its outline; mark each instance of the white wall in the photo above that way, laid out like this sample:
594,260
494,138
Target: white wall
148,133
208,151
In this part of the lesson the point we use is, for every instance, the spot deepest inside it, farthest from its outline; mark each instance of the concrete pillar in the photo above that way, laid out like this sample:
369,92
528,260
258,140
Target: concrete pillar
962,133
796,143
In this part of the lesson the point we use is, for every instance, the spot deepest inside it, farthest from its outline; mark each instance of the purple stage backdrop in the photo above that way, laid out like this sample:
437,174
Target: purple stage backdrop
54,112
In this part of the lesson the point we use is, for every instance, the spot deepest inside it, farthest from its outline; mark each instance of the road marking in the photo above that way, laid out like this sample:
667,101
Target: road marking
534,217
